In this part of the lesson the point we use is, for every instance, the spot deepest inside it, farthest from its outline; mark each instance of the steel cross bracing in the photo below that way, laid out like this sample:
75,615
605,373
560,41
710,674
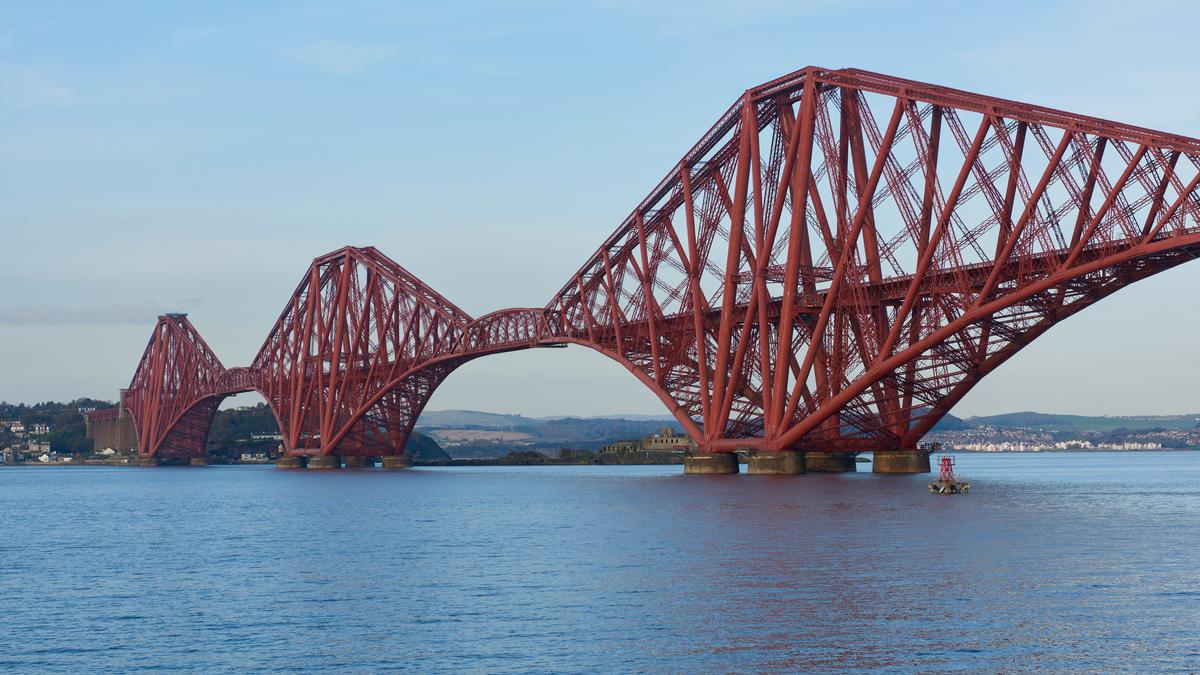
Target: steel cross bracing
172,392
832,267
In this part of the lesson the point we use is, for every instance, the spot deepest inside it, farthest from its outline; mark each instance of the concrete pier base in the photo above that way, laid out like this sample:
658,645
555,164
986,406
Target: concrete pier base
149,461
829,462
324,462
396,462
356,462
711,463
900,461
289,462
775,463
199,461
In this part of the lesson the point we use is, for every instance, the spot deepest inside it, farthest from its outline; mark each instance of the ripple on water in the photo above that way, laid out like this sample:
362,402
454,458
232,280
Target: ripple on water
1067,562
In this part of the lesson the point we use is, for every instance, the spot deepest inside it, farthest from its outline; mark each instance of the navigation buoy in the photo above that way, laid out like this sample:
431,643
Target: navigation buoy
947,483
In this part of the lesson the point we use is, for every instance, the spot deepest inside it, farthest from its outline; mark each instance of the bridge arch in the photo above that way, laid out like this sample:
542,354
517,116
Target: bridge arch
439,369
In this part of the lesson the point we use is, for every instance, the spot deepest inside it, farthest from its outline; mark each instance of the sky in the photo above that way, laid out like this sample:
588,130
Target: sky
196,156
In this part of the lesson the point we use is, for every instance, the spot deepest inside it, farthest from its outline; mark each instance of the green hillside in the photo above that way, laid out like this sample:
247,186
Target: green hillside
66,423
229,436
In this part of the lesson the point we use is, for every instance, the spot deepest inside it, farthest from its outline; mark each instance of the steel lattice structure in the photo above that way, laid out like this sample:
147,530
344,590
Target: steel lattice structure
830,268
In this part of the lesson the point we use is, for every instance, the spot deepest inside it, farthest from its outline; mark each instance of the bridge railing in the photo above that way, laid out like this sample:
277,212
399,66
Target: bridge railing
236,380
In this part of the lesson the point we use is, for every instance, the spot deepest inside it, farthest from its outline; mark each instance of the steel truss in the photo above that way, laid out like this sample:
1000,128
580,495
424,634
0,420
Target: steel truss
831,268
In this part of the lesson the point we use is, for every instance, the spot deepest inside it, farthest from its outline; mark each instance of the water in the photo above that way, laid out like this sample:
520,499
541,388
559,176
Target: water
1053,562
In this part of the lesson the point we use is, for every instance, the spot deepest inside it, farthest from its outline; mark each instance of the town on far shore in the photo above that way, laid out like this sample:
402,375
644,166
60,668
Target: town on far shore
90,431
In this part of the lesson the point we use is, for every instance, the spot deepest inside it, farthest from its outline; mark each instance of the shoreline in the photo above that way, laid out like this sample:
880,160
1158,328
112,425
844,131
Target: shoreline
556,461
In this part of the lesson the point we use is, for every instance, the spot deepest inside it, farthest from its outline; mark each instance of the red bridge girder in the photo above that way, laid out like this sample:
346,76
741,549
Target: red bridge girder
832,267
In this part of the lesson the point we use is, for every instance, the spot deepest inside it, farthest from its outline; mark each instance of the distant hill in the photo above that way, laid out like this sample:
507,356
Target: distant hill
951,423
593,432
423,447
635,417
477,419
464,433
1079,423
472,419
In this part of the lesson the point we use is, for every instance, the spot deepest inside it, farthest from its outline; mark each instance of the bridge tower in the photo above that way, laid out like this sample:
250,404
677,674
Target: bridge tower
175,393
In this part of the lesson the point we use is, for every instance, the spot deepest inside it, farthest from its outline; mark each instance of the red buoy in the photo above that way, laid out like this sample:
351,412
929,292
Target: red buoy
947,483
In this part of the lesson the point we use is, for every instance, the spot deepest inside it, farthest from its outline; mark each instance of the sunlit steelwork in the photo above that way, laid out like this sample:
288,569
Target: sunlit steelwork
832,267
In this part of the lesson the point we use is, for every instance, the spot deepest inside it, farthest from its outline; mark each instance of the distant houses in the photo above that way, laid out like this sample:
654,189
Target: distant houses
20,429
30,451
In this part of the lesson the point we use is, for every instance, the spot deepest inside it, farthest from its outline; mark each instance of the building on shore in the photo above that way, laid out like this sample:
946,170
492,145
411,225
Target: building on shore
668,440
665,447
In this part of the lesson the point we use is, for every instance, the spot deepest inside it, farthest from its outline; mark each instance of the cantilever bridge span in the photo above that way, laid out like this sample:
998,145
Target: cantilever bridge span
834,265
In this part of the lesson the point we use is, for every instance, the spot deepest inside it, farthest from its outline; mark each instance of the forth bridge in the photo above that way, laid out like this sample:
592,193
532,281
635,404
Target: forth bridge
830,268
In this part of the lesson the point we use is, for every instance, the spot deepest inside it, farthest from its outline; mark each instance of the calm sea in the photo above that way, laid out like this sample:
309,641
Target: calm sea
1067,562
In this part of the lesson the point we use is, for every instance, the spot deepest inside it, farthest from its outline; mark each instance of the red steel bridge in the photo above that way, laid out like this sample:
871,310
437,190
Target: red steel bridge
834,264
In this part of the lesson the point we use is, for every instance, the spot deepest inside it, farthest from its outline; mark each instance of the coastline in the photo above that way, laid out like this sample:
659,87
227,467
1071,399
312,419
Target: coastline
526,459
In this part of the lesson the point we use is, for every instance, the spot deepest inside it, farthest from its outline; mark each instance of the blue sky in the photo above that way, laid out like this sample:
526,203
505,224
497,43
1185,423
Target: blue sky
196,156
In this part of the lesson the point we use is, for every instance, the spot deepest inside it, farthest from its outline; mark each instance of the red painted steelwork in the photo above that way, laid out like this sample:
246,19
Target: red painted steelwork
946,469
175,391
831,268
